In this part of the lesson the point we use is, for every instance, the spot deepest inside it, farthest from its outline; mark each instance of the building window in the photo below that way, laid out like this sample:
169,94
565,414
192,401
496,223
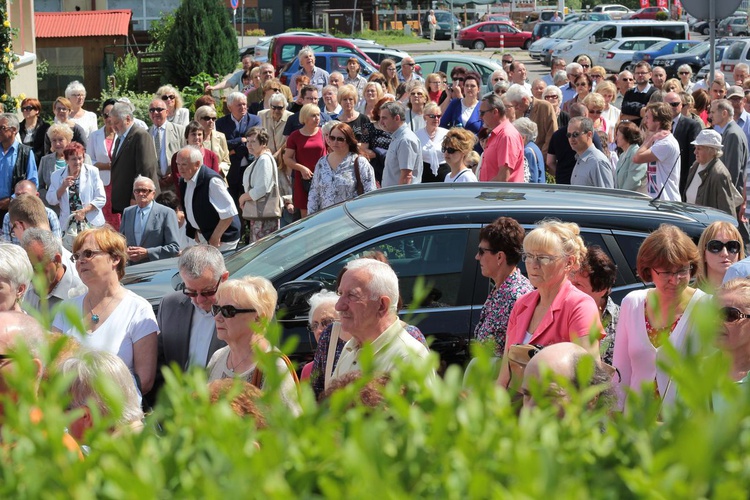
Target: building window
145,11
47,5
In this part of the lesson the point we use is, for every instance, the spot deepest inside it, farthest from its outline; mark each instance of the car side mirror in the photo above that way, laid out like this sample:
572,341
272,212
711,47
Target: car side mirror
294,297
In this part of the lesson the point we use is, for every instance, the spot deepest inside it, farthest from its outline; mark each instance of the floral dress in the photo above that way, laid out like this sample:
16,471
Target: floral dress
493,320
332,186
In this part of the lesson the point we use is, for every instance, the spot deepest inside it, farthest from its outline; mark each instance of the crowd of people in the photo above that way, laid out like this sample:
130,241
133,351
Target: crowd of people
80,203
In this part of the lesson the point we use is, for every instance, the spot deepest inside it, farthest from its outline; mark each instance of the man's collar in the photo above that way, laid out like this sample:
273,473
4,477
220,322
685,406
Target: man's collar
194,178
147,207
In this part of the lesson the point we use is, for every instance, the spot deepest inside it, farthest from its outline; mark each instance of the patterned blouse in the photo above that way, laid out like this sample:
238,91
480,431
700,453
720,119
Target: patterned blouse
317,375
493,320
330,186
609,320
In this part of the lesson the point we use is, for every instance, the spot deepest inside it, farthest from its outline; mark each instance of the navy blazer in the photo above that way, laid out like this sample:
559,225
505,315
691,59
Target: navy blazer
452,117
237,149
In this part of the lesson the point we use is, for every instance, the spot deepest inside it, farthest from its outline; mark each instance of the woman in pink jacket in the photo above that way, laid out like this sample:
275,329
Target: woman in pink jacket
556,311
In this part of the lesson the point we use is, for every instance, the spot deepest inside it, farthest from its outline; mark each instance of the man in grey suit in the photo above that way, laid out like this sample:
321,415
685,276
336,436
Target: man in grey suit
187,330
151,229
168,139
733,139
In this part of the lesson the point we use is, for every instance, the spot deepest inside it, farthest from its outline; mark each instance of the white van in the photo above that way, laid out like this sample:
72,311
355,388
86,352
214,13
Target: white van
590,39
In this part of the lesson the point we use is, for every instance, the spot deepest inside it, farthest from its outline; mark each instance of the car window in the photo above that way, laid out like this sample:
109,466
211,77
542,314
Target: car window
347,50
625,45
630,244
289,52
682,47
435,255
673,32
735,50
447,66
488,28
659,45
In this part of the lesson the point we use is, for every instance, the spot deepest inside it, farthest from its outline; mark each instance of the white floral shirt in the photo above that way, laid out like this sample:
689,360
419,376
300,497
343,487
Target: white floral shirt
330,186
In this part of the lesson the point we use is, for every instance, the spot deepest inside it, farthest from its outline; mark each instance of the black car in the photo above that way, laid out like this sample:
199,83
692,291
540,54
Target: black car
696,58
545,29
431,232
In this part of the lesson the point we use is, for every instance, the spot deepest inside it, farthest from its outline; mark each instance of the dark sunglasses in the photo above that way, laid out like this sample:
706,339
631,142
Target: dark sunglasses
208,118
167,98
716,246
458,79
277,108
28,108
228,311
86,254
434,116
595,111
450,150
204,293
684,73
408,64
156,110
337,138
574,135
732,314
675,104
505,61
105,115
585,65
481,251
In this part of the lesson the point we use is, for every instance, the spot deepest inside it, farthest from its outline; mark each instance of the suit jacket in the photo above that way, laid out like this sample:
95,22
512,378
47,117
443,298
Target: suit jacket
735,153
161,234
174,137
135,157
543,114
237,149
685,132
452,116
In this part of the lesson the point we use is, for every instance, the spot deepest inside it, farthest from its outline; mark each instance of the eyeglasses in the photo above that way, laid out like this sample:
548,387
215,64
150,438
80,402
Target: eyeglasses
28,108
481,251
595,111
593,77
86,254
337,138
680,273
416,94
105,115
62,110
541,260
551,97
574,135
684,72
716,246
505,61
626,79
229,311
277,108
582,84
450,151
275,91
675,104
168,98
142,191
408,64
732,314
203,293
208,118
438,116
5,128
641,73
585,65
156,110
313,327
483,111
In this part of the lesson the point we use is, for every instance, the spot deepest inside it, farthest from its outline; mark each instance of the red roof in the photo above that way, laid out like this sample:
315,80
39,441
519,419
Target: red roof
82,23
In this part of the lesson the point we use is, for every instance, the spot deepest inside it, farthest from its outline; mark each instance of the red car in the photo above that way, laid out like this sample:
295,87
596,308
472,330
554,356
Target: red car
648,13
487,34
498,17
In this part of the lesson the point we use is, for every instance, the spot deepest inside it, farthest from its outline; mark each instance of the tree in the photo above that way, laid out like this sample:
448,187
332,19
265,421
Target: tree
201,40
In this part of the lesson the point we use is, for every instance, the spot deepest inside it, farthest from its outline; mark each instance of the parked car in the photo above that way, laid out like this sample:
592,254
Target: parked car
536,17
541,49
284,48
617,11
546,29
664,48
497,17
733,26
430,232
647,13
701,27
329,61
446,62
696,58
738,52
617,55
490,34
377,53
443,31
595,16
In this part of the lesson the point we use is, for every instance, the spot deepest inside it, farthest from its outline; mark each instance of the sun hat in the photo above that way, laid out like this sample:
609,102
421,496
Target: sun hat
708,137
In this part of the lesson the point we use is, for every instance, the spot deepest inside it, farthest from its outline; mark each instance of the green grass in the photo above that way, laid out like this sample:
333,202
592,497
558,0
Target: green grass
390,37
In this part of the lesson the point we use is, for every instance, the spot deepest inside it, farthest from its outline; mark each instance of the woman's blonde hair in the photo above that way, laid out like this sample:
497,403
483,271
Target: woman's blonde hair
709,234
594,100
252,292
307,111
168,89
556,237
606,87
673,85
348,91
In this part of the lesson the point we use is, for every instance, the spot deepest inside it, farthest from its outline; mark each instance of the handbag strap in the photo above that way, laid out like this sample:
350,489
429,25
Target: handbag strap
275,171
359,187
332,344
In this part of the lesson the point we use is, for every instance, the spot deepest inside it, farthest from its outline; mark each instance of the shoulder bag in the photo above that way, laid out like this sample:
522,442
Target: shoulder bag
268,206
358,178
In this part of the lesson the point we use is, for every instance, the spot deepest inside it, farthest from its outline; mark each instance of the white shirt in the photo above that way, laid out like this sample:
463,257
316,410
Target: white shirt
432,152
465,175
665,172
218,196
201,331
691,193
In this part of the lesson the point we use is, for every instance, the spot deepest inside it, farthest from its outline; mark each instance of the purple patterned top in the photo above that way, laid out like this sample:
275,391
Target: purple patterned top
493,320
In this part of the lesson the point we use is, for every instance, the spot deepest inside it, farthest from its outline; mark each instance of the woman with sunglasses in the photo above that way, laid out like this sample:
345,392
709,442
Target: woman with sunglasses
719,246
709,183
213,139
685,74
458,143
243,310
274,119
431,138
415,106
556,311
33,129
322,314
335,179
583,85
101,142
173,100
464,112
652,317
553,95
734,336
114,319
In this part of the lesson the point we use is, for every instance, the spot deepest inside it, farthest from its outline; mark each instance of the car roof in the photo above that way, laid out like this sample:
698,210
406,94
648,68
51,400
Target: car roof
604,207
458,57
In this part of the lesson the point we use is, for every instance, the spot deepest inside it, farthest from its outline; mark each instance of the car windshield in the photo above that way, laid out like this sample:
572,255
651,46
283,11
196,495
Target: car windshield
588,30
567,30
699,49
659,45
735,50
293,244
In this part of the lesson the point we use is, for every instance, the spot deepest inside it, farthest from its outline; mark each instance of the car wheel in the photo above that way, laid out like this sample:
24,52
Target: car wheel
705,30
526,44
626,67
479,45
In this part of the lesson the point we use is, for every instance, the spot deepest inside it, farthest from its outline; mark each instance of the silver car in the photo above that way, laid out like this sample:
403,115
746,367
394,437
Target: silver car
617,55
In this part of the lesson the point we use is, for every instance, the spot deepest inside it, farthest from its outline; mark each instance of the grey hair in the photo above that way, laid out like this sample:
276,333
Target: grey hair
267,65
553,89
395,108
204,111
93,368
628,73
586,124
235,96
11,119
325,129
742,66
304,52
278,99
430,107
122,110
16,268
686,67
74,86
335,73
494,101
722,105
573,66
195,154
498,72
555,61
51,244
501,87
383,280
196,259
527,128
560,77
143,178
516,93
323,297
657,96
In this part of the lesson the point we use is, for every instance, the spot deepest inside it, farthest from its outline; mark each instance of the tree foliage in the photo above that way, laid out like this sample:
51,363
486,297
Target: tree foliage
201,40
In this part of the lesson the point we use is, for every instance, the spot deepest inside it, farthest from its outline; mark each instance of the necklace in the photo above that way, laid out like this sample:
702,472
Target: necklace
95,317
235,365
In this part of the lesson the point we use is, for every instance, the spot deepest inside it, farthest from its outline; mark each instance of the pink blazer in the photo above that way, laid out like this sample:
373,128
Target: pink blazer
572,314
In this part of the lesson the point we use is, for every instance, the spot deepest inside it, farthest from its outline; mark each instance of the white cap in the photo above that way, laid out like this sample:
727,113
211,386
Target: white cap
708,137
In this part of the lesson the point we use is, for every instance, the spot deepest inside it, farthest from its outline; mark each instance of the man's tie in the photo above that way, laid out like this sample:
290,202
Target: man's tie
116,150
139,223
157,145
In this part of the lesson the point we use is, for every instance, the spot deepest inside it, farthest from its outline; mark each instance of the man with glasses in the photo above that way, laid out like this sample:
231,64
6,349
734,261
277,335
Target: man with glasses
625,82
507,60
267,73
168,139
407,74
150,229
561,158
23,214
592,167
573,70
685,130
502,159
274,121
187,329
558,64
637,98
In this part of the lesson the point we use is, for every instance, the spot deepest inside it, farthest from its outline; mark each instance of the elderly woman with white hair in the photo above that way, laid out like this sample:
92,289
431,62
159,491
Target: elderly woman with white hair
431,138
499,75
15,276
242,312
173,100
75,92
553,95
322,315
531,152
709,183
274,119
685,74
102,379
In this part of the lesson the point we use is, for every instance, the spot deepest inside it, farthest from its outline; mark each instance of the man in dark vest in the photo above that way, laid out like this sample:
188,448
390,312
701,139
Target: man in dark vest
17,161
637,98
211,213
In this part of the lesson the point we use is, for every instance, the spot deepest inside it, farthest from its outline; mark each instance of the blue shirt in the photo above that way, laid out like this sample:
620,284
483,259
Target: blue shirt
568,92
7,164
739,269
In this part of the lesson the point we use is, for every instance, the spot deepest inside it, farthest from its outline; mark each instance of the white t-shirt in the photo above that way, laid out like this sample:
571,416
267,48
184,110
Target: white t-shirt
691,193
132,320
467,111
465,175
666,171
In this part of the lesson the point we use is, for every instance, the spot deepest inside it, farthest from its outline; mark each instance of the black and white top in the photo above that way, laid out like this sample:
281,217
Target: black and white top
330,186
